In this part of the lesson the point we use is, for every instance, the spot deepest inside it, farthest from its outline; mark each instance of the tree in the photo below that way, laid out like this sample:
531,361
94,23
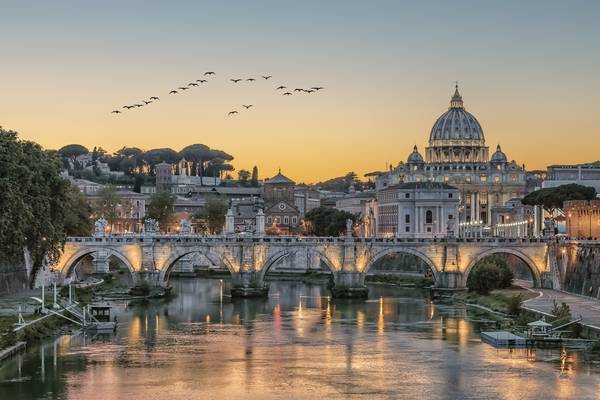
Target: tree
254,179
243,176
33,200
341,183
72,151
489,274
162,208
107,204
553,198
561,312
78,220
326,221
214,213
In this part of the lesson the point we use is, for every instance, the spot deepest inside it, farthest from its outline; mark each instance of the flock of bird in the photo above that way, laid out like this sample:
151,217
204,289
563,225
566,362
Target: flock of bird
207,74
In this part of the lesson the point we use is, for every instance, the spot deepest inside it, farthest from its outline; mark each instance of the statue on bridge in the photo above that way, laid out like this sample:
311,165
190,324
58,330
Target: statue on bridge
100,227
185,227
151,227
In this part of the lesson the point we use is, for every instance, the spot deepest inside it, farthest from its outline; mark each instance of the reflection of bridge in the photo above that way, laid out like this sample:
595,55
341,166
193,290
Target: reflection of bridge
248,258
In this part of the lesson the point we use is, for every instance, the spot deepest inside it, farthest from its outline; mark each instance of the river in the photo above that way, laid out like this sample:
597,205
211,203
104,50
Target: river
296,344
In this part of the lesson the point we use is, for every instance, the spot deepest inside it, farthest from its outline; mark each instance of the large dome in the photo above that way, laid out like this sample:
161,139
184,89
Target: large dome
456,124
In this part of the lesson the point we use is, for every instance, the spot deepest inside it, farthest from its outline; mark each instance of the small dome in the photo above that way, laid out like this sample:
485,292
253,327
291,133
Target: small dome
456,123
499,156
415,157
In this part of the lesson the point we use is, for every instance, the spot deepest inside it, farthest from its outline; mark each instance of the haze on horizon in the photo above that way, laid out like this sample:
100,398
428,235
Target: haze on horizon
527,70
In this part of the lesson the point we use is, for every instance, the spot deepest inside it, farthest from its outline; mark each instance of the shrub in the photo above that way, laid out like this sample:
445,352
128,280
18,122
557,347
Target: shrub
514,304
489,274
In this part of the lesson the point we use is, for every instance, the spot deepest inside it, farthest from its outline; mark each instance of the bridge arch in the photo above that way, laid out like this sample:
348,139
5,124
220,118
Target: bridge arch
68,267
535,271
403,250
210,254
280,255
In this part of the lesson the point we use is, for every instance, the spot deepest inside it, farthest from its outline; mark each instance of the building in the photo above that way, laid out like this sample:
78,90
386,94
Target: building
581,174
513,220
583,219
177,178
130,211
417,209
355,202
282,215
457,155
163,173
244,213
306,199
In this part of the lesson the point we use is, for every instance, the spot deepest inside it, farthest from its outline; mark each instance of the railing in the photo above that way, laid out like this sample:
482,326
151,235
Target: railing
233,239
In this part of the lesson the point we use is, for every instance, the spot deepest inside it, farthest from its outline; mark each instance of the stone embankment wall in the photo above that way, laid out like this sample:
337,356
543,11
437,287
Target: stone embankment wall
14,276
582,275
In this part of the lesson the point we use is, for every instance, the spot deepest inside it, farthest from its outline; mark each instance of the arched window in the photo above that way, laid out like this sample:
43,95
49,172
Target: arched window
428,217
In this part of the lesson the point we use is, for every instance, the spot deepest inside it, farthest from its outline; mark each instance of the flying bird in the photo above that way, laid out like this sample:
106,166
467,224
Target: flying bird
235,80
281,87
309,91
128,107
287,94
209,73
139,105
250,79
147,102
192,84
183,88
201,80
232,112
317,88
115,112
298,90
173,92
266,76
247,106
154,98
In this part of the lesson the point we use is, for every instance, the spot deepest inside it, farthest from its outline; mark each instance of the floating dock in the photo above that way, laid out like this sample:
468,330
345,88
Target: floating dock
503,339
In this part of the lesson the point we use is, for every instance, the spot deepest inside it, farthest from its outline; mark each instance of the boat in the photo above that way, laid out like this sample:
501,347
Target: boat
100,318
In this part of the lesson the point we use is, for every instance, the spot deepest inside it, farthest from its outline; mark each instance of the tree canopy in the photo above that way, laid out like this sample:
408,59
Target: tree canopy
213,213
73,150
35,200
161,208
553,198
326,221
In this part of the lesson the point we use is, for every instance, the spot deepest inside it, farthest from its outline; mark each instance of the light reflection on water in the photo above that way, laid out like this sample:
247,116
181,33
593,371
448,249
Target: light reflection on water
298,343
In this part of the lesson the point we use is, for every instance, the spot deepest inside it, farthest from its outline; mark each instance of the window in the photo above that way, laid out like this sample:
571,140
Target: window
483,178
450,195
428,229
407,229
496,179
294,220
277,220
428,217
269,220
407,218
513,177
450,216
286,220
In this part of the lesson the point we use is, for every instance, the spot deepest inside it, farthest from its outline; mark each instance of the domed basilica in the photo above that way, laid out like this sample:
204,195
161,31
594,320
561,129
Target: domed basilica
458,156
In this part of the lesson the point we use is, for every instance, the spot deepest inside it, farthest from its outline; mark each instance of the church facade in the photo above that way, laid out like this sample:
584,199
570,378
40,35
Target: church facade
458,156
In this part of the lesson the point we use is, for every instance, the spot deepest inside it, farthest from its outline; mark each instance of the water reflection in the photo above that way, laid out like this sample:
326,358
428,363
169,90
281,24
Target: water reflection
298,343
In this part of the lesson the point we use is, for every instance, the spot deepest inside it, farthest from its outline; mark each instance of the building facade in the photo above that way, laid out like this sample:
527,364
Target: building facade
581,174
457,155
282,215
583,219
418,210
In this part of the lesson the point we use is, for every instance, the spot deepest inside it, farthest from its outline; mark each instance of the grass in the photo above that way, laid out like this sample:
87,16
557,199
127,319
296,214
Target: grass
500,300
420,282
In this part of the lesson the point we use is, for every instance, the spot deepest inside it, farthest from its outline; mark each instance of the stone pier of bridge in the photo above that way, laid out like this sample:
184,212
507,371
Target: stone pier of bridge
152,258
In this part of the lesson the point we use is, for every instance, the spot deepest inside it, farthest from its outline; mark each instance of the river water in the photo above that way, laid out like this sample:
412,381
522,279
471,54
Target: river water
295,344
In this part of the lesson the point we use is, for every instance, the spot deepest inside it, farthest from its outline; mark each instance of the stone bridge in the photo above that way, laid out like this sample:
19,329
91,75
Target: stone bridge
248,258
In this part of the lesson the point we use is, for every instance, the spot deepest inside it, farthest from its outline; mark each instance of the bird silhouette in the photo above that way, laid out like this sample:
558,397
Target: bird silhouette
201,80
128,107
183,88
209,73
317,88
232,112
247,106
192,84
115,112
173,92
147,102
235,80
298,90
154,98
250,79
287,94
139,105
281,87
308,91
266,76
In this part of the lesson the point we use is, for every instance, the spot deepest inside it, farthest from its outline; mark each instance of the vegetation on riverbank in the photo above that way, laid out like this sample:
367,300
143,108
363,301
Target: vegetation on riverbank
401,280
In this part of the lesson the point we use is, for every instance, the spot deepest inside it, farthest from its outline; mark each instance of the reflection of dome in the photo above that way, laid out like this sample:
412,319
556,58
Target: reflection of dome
415,157
499,156
456,124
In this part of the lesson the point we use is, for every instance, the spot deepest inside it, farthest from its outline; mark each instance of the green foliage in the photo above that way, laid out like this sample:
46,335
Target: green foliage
561,312
33,200
78,220
107,204
553,198
341,183
162,208
72,150
514,304
213,214
489,274
254,179
243,176
326,221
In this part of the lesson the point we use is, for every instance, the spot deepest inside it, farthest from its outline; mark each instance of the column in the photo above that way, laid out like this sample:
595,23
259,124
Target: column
416,219
472,206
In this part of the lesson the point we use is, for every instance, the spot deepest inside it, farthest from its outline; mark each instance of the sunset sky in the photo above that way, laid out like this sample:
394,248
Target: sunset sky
528,70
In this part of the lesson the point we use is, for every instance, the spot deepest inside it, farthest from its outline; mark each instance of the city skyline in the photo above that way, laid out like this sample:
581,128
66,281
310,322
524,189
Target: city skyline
386,82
